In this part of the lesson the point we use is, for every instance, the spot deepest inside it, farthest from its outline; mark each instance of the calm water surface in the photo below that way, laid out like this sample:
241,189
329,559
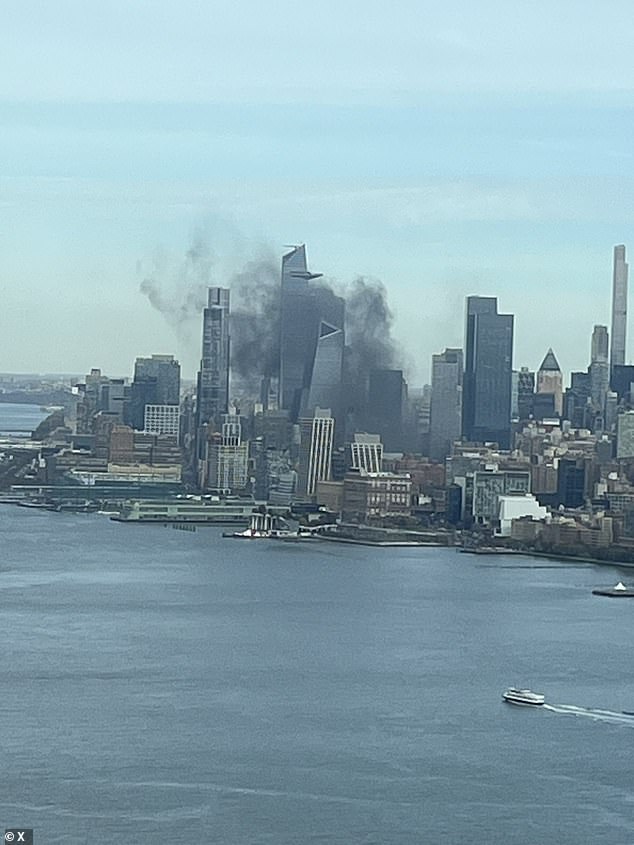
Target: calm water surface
167,686
19,419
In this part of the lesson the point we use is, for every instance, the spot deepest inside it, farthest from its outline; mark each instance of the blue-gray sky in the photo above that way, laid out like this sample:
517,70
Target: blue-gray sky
448,149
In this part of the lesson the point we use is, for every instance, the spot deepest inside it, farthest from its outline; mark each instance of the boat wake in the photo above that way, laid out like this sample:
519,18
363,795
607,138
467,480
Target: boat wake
611,716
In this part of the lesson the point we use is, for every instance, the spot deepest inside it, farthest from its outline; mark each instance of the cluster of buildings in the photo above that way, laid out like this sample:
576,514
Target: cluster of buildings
489,447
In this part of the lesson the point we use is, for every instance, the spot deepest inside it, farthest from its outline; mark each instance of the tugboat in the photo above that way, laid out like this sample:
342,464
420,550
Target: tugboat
523,696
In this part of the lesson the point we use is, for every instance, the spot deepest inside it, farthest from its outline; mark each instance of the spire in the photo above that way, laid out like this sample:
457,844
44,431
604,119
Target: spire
550,363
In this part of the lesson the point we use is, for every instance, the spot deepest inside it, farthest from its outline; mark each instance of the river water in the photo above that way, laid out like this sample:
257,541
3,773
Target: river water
169,686
19,419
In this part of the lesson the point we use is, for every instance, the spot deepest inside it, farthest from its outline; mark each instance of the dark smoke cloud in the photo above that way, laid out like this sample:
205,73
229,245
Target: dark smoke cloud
369,342
255,321
369,323
180,294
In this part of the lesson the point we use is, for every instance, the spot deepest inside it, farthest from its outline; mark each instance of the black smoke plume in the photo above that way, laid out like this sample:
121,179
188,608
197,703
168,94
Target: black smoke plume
369,323
369,343
180,294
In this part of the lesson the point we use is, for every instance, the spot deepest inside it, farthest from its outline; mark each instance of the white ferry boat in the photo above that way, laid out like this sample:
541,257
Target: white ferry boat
268,526
523,696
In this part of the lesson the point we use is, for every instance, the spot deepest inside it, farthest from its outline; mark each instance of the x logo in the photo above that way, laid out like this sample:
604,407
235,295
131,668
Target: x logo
21,836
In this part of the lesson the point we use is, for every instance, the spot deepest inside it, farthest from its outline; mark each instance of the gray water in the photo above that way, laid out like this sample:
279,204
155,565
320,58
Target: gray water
20,419
168,686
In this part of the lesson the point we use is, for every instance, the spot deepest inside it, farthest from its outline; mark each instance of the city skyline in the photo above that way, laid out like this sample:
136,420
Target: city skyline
198,302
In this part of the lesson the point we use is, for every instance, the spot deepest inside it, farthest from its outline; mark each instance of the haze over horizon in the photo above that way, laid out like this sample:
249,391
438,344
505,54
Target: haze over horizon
468,150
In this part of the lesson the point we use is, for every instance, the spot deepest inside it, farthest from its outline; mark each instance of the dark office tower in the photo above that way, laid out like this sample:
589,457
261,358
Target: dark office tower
387,395
571,480
486,391
599,368
213,376
619,308
167,373
622,381
525,393
311,340
576,399
157,381
446,402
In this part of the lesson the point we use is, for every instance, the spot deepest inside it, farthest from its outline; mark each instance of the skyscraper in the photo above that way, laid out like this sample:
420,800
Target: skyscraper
599,369
550,380
156,382
167,373
311,340
486,396
315,451
387,397
525,392
213,376
619,307
446,402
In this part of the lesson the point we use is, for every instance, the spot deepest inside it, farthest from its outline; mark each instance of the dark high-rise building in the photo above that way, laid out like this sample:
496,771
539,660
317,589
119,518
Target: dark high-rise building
621,381
311,340
544,406
619,308
167,373
525,393
571,479
486,393
576,400
599,370
446,402
387,395
156,381
213,376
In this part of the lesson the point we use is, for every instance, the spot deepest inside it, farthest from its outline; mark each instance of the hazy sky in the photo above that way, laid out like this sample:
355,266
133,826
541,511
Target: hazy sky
447,149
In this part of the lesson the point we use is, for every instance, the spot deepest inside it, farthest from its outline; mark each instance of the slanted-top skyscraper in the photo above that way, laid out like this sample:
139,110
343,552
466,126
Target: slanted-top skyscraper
619,308
311,340
486,392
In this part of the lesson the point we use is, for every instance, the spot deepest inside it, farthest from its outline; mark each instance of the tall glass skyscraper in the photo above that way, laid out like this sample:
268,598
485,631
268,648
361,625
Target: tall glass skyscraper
619,308
486,396
446,402
387,398
311,340
213,376
599,368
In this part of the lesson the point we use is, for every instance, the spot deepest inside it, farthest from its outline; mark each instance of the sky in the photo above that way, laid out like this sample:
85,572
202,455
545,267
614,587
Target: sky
446,149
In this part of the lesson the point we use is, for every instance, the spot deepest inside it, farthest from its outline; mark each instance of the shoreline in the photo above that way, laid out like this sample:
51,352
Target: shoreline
557,556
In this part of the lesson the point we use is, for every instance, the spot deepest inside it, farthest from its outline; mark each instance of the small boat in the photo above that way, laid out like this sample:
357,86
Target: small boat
614,592
522,696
